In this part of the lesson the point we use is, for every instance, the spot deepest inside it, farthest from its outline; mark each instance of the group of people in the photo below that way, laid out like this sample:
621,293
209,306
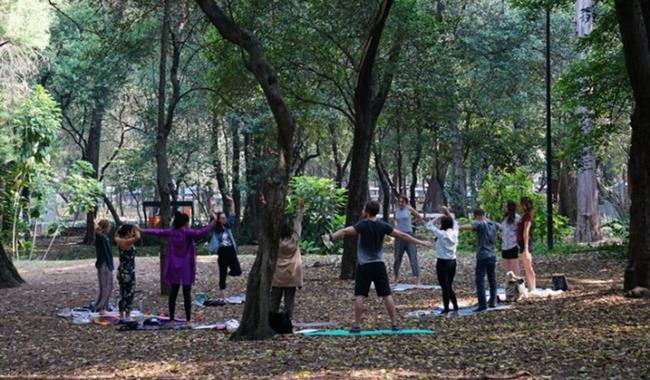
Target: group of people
179,267
371,232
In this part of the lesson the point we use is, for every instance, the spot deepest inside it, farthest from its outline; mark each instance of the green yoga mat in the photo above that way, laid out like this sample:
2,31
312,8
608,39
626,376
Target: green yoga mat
370,332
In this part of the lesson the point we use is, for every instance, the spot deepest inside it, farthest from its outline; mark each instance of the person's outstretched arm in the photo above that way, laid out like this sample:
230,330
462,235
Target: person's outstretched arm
156,231
347,231
409,239
418,217
203,231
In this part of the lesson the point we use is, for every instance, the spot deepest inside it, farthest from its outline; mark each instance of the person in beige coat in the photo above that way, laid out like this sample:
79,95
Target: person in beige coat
288,266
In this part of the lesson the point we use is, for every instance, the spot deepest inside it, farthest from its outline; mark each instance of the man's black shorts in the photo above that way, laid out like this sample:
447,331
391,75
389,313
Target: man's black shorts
512,253
372,273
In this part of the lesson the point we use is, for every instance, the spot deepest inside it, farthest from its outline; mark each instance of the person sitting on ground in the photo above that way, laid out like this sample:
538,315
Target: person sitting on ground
224,245
370,259
125,238
104,265
486,234
288,266
179,269
509,245
403,220
446,232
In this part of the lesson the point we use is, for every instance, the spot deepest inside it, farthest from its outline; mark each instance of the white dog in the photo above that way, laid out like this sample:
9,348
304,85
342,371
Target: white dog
515,288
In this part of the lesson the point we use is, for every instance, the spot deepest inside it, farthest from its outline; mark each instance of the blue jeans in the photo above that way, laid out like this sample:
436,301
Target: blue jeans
489,266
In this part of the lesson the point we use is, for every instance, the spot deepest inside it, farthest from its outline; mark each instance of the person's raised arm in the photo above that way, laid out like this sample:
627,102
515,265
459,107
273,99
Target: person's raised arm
200,232
129,241
418,217
297,224
409,239
156,231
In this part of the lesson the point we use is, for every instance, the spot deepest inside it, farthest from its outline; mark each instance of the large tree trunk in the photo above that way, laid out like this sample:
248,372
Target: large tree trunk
216,163
634,23
458,174
587,215
91,154
9,277
385,186
367,107
566,190
163,176
255,320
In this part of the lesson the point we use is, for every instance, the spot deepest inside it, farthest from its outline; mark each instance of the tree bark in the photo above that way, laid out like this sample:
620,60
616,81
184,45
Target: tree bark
385,186
587,214
459,176
367,107
216,163
163,176
255,319
91,154
566,191
9,277
634,24
415,163
236,164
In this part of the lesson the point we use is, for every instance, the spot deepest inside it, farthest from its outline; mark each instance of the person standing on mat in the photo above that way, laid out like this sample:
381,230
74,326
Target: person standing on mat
486,259
446,233
288,266
509,245
224,245
125,238
370,259
403,220
104,265
525,241
179,269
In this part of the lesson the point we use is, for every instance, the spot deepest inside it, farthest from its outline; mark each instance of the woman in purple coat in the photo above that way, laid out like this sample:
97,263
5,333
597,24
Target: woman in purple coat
179,269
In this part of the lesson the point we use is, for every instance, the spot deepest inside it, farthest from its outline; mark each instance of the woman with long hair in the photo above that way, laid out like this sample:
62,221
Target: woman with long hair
179,268
525,240
509,244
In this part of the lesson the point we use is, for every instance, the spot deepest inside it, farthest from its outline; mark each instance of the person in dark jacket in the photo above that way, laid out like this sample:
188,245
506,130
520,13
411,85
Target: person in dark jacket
223,243
104,264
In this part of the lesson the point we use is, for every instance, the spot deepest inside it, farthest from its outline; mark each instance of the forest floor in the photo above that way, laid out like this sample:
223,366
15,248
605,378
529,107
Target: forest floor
590,332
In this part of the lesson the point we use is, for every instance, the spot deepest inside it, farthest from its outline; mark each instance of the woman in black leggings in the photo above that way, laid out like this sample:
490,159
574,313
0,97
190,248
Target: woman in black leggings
224,245
446,244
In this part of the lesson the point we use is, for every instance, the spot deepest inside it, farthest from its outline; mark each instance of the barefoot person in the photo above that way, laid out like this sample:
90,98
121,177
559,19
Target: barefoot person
486,259
224,245
125,238
179,269
525,241
288,267
509,245
370,259
446,232
403,220
104,265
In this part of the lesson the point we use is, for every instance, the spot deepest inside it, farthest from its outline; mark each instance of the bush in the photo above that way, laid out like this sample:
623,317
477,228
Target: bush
504,186
324,204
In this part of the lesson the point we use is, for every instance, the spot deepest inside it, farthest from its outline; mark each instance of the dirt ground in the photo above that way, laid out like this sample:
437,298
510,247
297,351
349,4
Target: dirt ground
591,332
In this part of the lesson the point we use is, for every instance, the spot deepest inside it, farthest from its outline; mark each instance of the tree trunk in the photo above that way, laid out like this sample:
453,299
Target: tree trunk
9,277
587,215
634,23
459,176
367,107
236,164
566,191
385,186
216,162
91,154
163,175
255,320
414,168
112,210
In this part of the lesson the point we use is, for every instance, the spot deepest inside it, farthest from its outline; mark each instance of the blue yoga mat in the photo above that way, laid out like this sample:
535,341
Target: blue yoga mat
369,332
469,310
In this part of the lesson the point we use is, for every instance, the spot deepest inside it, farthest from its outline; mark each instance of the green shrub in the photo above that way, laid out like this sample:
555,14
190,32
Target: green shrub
504,186
324,204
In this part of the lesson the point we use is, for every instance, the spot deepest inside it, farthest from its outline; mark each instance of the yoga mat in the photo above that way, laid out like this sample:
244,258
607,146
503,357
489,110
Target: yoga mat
462,312
312,325
369,332
405,287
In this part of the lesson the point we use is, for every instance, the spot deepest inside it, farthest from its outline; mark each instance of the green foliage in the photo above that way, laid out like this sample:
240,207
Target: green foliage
617,229
84,191
324,203
498,189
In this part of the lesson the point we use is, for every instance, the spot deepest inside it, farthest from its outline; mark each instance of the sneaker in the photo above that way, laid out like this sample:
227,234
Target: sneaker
355,330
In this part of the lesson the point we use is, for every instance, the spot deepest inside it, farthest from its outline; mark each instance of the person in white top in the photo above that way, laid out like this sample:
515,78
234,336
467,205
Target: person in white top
509,247
446,232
